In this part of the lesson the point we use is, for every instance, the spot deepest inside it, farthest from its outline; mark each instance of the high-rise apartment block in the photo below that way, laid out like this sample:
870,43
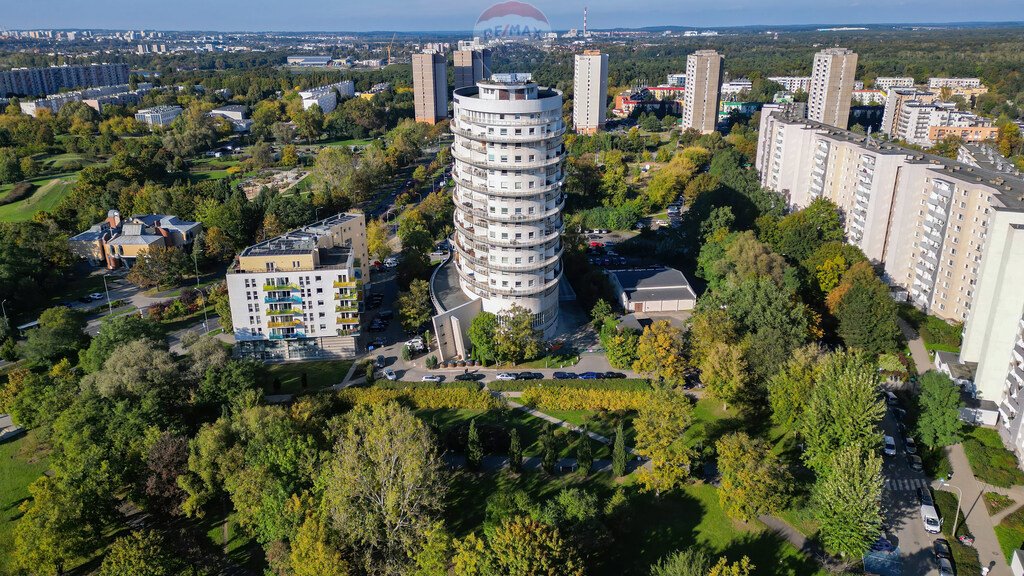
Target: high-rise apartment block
703,90
832,83
472,65
430,87
508,197
590,92
40,81
895,101
300,295
949,233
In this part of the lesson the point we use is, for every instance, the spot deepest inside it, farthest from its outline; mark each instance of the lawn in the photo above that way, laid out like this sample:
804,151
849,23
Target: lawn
21,465
996,502
320,374
990,461
49,191
352,142
965,557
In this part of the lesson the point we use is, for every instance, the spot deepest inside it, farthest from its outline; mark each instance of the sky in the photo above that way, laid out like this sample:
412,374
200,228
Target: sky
457,15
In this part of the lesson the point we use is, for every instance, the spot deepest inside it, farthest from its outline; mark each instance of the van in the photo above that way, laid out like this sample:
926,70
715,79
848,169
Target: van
890,446
930,519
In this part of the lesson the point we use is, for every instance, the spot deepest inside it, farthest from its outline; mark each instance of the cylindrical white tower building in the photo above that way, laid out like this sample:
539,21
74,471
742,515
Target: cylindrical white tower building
508,195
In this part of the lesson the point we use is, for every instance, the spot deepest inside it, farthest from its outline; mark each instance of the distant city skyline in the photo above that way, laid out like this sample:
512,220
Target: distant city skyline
459,15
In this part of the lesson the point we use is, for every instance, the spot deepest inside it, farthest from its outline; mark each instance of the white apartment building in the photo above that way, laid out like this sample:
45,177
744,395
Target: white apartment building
918,121
677,80
938,83
326,97
590,92
887,83
869,97
158,116
793,83
300,295
508,197
703,91
832,85
950,233
730,90
894,102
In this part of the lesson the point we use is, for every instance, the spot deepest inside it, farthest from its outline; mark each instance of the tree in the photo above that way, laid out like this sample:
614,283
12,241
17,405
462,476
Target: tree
660,352
660,426
414,307
115,331
515,451
471,557
59,335
141,553
481,336
289,155
549,449
601,310
742,567
620,348
474,449
688,562
867,314
384,485
843,410
515,339
790,390
619,453
377,240
754,480
938,423
166,460
522,546
724,371
847,500
313,552
52,530
584,453
159,267
143,371
434,559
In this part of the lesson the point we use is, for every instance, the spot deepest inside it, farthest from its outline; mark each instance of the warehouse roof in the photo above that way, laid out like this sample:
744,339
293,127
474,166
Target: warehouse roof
650,284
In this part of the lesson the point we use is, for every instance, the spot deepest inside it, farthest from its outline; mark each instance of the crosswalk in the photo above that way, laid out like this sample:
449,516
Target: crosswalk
905,483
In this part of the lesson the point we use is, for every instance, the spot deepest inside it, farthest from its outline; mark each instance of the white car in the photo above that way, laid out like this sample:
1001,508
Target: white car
390,262
96,296
910,445
930,519
432,378
390,374
505,376
890,446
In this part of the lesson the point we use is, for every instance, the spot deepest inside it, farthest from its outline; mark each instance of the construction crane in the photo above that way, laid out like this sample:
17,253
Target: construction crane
389,48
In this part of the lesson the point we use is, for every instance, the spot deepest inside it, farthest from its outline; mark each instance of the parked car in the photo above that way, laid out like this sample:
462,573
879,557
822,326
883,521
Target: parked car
946,567
529,376
390,374
96,296
386,314
930,519
432,378
882,545
924,494
85,299
910,445
566,376
942,549
891,399
380,361
469,377
890,446
589,376
390,262
613,375
915,462
506,376
379,342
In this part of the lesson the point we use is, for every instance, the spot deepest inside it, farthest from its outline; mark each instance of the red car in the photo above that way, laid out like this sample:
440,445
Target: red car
596,245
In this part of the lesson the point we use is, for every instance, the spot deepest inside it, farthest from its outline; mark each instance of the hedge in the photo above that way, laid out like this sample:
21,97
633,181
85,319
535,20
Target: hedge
566,398
990,460
19,191
399,385
447,397
635,384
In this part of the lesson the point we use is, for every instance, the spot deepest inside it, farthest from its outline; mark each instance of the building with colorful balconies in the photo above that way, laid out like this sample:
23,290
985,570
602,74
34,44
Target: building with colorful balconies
300,295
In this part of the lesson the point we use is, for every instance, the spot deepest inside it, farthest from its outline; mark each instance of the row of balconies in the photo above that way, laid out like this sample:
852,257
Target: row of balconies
462,117
548,235
551,131
483,188
481,160
492,263
486,290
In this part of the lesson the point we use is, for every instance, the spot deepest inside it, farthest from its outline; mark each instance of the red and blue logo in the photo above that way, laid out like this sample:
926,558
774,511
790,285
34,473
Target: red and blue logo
511,21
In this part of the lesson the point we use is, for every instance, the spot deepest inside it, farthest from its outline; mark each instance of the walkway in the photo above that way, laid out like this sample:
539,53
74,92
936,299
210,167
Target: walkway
796,538
978,520
922,361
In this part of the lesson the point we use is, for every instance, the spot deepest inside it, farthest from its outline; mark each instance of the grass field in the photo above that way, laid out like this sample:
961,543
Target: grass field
20,465
49,191
990,460
319,374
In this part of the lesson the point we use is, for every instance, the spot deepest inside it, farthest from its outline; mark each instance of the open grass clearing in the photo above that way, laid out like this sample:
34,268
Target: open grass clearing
319,374
21,462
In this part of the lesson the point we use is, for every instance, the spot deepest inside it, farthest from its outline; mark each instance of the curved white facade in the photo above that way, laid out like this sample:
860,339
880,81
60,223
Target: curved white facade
508,175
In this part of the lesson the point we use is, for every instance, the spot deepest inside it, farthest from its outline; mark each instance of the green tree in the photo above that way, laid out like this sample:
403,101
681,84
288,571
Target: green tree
584,453
660,429
141,553
867,314
515,338
549,448
754,479
843,410
160,267
115,331
314,553
790,389
474,449
687,562
724,371
659,352
522,546
742,567
619,453
621,347
481,336
377,240
847,500
53,529
515,451
938,423
601,310
59,335
414,307
384,485
434,559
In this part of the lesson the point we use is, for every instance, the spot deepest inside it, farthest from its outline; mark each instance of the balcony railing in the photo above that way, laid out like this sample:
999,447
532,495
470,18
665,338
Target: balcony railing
280,288
348,321
285,312
284,323
285,300
346,308
350,284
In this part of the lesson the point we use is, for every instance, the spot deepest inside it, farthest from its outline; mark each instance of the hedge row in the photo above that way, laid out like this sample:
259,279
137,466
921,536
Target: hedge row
19,191
566,398
635,384
447,397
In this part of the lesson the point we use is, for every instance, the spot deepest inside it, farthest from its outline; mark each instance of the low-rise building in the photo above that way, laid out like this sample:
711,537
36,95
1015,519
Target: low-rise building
308,61
299,296
114,243
793,83
650,290
326,97
158,116
236,114
869,97
936,83
886,83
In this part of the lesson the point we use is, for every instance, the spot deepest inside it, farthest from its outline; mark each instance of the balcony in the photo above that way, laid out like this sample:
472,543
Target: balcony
291,336
284,300
464,182
284,323
346,332
354,309
491,137
280,288
348,321
285,312
459,118
352,284
486,290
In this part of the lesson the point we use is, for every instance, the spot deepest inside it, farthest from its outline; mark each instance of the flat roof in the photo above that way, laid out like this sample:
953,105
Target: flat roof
446,287
301,240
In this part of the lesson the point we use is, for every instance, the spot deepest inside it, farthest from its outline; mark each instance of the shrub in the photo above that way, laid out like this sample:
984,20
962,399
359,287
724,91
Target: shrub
990,461
635,384
448,397
20,191
584,399
996,502
938,333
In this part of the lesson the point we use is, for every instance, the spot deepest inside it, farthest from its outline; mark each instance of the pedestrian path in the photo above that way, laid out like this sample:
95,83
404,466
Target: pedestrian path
810,549
978,521
905,484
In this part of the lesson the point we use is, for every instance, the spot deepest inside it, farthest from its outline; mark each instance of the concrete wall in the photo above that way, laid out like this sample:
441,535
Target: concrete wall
451,328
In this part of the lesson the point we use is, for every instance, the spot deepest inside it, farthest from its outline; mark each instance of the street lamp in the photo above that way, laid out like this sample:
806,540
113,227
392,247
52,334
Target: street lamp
110,308
4,307
960,497
195,262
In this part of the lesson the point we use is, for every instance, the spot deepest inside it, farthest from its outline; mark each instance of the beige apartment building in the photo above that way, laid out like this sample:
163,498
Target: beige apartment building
832,83
950,233
472,65
896,101
430,87
703,90
590,92
300,295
